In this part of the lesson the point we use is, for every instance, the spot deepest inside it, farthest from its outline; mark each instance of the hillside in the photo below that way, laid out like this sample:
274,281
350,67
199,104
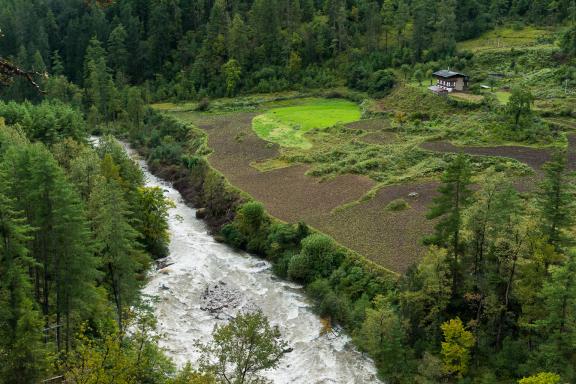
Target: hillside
363,190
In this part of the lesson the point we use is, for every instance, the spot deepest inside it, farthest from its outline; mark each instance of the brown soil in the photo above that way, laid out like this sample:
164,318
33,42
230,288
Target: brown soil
380,138
534,157
371,125
378,131
391,239
287,193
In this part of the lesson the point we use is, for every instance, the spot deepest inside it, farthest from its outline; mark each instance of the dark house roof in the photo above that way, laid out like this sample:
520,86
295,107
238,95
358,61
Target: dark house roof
448,74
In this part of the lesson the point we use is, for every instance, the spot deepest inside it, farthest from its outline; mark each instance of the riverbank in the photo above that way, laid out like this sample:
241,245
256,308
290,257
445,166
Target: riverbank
177,152
205,283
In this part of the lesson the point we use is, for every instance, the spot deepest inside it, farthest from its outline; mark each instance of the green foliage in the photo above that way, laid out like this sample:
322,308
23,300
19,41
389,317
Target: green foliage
541,378
318,258
48,122
242,349
152,220
448,206
116,357
232,72
58,263
22,349
568,42
519,105
383,336
556,200
382,83
397,205
116,243
456,347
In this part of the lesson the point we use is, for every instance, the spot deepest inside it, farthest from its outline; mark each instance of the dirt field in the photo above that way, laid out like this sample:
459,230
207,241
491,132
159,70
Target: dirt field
392,239
335,207
531,156
287,193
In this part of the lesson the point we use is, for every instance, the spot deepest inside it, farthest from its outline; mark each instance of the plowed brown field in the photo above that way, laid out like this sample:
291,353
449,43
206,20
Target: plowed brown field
392,239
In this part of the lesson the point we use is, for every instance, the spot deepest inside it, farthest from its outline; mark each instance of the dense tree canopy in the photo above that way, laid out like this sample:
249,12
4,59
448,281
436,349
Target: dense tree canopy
184,48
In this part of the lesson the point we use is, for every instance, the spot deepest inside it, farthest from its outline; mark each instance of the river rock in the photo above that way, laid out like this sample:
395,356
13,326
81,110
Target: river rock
201,213
223,302
163,263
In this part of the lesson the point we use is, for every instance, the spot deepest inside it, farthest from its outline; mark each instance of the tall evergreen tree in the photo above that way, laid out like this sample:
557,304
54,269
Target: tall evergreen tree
115,239
22,351
448,207
117,51
555,199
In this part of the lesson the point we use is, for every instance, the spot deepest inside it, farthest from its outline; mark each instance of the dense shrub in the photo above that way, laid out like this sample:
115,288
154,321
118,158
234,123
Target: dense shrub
318,258
382,83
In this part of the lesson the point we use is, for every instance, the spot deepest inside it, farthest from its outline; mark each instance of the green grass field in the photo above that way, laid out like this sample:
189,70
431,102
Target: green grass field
502,97
286,126
506,38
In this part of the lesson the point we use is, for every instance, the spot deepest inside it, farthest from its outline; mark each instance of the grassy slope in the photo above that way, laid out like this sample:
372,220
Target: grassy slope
506,38
287,125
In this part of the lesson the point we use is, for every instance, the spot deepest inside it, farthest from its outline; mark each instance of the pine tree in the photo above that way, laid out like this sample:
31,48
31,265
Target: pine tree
115,239
57,64
557,330
65,269
100,88
555,199
22,351
117,51
238,43
448,208
388,20
444,38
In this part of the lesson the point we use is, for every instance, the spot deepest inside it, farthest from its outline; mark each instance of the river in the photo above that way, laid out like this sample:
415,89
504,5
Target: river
241,281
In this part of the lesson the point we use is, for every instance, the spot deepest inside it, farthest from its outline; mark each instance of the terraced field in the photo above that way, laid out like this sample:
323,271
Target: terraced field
350,206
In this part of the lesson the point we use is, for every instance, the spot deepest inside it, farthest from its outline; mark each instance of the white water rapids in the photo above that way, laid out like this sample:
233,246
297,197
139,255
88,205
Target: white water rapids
200,262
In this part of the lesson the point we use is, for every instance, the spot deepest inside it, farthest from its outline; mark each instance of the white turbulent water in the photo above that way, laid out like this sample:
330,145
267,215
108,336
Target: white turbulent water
198,261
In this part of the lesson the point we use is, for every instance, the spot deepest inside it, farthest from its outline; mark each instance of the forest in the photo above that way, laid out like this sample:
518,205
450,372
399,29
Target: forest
493,299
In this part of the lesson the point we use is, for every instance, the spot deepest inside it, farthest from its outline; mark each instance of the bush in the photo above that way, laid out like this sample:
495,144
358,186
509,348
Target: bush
318,258
203,105
283,237
397,205
299,268
382,83
233,236
280,266
251,216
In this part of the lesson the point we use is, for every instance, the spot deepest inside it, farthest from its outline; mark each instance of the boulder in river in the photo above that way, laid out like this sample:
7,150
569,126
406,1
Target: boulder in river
201,213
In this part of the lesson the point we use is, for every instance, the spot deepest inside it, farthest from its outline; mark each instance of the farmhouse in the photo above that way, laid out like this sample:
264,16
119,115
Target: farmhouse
449,81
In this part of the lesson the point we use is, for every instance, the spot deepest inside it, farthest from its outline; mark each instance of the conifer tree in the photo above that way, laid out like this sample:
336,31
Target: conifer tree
117,51
448,207
115,239
65,269
22,351
555,199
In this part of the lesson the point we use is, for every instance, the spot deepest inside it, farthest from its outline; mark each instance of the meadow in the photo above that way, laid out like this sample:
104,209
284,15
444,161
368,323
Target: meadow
287,126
